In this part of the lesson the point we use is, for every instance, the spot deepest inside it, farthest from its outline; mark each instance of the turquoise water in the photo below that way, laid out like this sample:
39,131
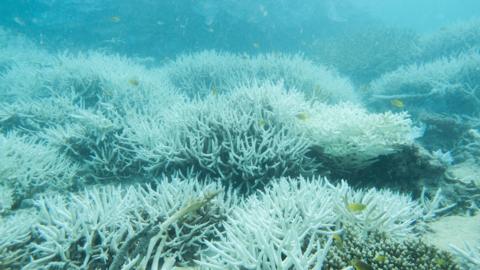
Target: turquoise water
329,134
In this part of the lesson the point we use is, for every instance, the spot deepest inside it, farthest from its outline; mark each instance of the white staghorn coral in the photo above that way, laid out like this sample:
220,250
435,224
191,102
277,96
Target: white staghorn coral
257,132
354,137
201,73
451,39
6,198
81,230
91,80
387,212
30,116
16,232
18,52
290,226
90,229
469,256
243,137
433,78
292,223
444,85
29,166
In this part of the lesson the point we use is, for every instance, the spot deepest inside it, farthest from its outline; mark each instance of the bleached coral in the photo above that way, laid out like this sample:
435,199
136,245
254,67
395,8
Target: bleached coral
368,52
90,229
90,80
16,232
451,39
354,137
292,223
29,166
92,142
262,131
201,73
438,85
6,198
387,212
17,49
243,137
289,226
469,256
30,116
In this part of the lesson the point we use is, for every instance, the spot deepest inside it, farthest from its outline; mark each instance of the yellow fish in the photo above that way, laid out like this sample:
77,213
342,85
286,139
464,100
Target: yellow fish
214,91
302,116
115,19
398,103
256,45
439,261
359,265
133,82
380,258
356,207
262,123
364,88
338,239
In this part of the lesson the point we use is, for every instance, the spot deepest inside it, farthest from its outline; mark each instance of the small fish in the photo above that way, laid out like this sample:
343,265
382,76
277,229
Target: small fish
263,10
398,103
318,90
256,45
262,123
364,88
356,207
337,238
214,90
440,262
133,82
115,19
380,258
302,116
19,21
359,265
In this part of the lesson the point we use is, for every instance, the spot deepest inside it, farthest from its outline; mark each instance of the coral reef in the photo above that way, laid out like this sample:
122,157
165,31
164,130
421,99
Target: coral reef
445,85
469,256
259,132
28,167
365,55
381,252
287,227
218,160
354,138
304,223
450,40
245,137
202,73
90,229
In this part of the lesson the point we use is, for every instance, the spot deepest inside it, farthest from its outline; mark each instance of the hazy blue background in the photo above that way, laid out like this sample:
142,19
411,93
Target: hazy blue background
163,28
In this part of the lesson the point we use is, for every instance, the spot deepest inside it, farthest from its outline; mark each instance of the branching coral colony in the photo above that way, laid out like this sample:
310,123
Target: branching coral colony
211,161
